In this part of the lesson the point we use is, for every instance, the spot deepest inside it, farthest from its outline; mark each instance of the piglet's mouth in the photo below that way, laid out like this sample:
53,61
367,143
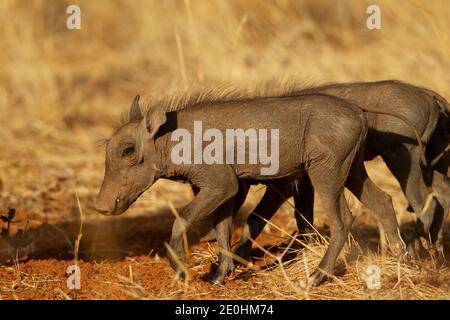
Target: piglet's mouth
122,205
109,211
116,204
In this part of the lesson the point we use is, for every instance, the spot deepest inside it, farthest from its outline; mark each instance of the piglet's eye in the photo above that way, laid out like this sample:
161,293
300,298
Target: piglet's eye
128,151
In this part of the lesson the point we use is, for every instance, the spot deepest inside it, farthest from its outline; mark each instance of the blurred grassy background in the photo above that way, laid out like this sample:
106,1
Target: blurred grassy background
60,89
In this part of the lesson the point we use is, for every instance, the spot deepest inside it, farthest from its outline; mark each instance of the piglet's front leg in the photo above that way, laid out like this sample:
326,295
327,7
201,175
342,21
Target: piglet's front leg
205,203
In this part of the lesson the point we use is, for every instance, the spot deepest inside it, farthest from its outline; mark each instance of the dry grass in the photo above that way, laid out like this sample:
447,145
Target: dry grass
399,279
61,90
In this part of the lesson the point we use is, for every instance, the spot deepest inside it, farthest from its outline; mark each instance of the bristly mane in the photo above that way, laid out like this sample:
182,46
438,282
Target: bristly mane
218,95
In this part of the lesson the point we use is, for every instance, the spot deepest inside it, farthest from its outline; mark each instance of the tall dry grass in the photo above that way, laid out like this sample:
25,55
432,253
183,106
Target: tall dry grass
60,89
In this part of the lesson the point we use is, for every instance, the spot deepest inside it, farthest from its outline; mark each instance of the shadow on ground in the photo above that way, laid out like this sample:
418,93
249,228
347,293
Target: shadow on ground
115,238
102,239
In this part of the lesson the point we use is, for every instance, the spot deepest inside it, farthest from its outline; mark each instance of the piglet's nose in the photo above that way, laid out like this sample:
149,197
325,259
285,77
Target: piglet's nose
103,209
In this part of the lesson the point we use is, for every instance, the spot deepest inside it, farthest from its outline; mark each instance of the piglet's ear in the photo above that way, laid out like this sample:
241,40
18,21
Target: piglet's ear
154,119
135,110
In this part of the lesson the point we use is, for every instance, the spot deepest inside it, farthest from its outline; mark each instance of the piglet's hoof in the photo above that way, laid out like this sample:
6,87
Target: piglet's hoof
219,278
221,274
318,277
180,272
397,250
182,275
411,251
218,281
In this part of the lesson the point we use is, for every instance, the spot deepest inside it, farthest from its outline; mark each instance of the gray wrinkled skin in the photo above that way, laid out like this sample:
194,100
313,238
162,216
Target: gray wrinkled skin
319,135
392,139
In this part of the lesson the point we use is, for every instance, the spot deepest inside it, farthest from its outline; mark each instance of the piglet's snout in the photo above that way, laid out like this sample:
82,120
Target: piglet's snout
106,207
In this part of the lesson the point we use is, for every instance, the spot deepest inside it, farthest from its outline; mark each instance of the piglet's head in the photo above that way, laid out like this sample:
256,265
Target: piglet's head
131,164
